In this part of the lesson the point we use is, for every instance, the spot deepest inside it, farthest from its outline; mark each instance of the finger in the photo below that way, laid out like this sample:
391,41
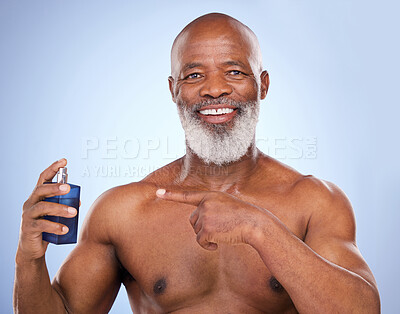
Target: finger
52,227
49,173
194,218
43,225
204,243
186,197
48,190
197,226
48,208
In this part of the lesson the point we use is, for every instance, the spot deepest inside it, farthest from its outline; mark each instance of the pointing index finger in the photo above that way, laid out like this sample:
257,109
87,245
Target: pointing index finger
186,197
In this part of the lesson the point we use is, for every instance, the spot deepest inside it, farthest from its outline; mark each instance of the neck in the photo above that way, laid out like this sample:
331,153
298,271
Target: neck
220,178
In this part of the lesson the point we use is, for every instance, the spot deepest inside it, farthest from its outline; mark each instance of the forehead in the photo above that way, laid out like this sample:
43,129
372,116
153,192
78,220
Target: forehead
214,43
212,50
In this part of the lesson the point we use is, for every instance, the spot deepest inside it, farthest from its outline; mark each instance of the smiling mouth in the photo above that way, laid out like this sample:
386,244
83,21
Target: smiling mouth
217,115
215,112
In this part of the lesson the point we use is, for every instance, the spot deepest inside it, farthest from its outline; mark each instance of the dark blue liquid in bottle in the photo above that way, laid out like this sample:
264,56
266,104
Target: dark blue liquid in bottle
70,199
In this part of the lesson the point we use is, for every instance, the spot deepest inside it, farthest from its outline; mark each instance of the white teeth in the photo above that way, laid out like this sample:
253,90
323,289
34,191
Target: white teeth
216,111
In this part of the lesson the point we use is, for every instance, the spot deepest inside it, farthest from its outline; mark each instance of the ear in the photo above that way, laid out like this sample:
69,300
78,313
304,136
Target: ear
264,84
171,87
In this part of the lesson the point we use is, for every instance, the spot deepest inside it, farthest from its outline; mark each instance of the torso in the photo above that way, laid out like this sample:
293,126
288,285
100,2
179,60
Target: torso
167,271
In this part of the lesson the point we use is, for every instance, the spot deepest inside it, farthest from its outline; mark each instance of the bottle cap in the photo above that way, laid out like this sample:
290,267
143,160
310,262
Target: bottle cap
62,175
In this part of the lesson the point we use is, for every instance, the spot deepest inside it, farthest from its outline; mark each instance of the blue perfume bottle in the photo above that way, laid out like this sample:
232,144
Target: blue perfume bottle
70,199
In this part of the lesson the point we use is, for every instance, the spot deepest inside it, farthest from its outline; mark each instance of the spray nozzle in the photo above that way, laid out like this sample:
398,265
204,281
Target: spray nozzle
62,175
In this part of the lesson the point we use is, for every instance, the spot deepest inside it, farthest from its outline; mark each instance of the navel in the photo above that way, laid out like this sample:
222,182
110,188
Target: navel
160,286
275,285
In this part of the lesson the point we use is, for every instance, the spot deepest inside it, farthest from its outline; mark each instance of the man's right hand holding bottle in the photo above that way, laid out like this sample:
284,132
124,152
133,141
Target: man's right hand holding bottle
31,246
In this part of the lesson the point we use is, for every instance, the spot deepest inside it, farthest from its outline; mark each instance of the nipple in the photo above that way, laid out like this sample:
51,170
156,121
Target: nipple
160,286
275,285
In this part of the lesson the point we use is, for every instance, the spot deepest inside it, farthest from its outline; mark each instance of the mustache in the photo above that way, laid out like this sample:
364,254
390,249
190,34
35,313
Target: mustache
217,101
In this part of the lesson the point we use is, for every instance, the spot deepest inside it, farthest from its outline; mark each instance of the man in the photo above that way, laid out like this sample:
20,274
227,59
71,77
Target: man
225,229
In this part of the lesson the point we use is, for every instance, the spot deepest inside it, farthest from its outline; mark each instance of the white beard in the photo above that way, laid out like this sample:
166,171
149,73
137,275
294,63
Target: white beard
220,144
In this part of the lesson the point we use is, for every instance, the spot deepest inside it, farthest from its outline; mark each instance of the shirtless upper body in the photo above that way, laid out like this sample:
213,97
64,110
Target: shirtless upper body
251,236
156,256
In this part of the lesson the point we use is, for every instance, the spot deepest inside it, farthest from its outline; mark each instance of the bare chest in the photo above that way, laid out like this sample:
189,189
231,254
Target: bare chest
168,270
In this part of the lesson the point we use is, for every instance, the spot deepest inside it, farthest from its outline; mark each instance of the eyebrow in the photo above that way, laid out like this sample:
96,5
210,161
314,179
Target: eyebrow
191,65
238,63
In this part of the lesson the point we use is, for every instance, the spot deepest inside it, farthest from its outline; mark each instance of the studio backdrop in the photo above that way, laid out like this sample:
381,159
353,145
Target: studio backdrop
87,80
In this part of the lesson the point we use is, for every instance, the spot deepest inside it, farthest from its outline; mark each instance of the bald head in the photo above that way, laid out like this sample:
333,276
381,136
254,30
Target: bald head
217,26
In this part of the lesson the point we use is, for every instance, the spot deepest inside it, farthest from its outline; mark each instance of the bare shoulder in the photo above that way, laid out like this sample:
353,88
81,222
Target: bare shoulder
125,203
321,190
323,203
321,196
119,197
114,206
329,206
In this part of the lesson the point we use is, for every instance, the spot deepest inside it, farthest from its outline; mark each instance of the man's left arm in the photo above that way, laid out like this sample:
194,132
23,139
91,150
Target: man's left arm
326,273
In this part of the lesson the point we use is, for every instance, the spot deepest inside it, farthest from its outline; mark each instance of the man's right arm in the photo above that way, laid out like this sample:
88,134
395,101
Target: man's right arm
89,279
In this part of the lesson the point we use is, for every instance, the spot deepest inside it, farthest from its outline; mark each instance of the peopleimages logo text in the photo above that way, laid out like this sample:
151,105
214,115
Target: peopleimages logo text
113,147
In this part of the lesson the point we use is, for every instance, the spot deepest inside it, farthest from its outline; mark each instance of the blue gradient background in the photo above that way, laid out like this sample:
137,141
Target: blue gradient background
73,70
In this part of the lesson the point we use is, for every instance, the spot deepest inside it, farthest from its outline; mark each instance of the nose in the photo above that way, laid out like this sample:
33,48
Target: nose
214,86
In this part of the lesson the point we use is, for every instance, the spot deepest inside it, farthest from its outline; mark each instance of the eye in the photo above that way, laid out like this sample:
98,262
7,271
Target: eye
193,76
235,72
